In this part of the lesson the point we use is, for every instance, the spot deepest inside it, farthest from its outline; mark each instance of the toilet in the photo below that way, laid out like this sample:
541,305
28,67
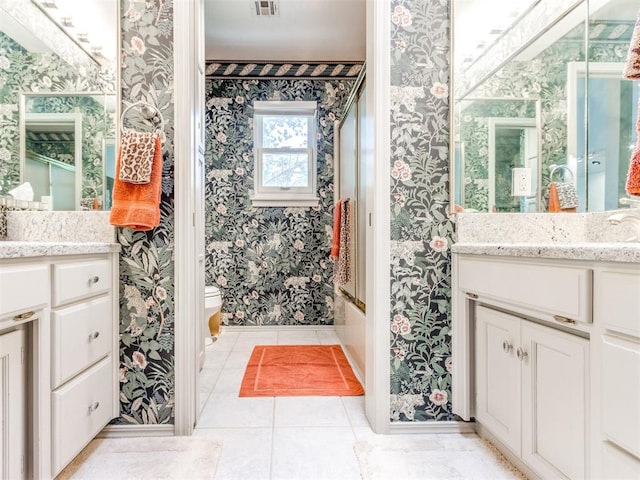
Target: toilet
212,307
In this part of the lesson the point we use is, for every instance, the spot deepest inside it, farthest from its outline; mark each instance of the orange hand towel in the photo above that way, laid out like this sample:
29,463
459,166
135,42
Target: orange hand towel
137,206
633,175
335,245
554,201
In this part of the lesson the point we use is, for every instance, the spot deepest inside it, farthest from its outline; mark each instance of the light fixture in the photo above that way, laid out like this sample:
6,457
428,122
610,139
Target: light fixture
80,27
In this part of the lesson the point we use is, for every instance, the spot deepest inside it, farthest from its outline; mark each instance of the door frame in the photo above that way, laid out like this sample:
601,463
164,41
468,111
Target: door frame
377,397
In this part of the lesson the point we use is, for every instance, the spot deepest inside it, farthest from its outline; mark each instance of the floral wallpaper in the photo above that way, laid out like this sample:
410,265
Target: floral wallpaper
23,72
147,280
271,264
421,232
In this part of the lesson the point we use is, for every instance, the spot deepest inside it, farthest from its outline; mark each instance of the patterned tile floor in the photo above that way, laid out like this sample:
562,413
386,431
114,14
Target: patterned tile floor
309,438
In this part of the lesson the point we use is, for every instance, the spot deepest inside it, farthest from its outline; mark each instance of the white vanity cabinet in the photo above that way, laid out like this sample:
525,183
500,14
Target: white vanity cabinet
82,354
547,360
617,384
522,359
531,391
58,357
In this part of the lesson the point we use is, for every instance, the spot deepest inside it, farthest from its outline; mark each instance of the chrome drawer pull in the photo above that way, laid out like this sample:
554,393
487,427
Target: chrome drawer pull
561,319
93,336
472,296
94,280
521,354
24,316
93,407
506,346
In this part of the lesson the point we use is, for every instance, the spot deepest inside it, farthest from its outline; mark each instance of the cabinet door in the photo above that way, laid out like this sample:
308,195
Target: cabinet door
498,375
12,401
553,401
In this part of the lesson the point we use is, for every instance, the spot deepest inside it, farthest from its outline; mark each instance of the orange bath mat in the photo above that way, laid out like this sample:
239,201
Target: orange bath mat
299,370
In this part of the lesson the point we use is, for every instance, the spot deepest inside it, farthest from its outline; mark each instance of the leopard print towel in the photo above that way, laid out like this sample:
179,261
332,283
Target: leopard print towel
342,267
137,155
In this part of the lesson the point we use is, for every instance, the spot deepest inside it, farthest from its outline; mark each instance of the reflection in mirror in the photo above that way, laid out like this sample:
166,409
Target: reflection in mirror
497,154
586,122
600,152
53,157
92,118
44,71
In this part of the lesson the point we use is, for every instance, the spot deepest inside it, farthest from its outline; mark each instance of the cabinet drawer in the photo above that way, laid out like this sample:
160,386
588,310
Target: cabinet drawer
621,393
73,281
81,335
79,410
23,288
563,291
617,301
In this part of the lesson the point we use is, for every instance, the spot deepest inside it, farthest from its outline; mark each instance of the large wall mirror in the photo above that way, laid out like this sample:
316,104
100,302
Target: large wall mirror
539,98
58,102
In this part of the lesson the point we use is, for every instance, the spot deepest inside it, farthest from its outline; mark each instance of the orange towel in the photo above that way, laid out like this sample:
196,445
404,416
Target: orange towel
137,206
335,245
633,175
554,201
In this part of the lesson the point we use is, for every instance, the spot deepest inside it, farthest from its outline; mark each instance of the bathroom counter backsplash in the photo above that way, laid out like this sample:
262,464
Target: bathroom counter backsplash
53,226
599,251
542,228
11,249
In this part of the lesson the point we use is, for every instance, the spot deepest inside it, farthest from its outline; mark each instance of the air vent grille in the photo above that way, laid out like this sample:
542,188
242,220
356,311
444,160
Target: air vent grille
265,8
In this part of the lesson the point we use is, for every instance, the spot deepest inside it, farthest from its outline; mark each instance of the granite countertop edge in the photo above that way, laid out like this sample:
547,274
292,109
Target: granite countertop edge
17,249
627,252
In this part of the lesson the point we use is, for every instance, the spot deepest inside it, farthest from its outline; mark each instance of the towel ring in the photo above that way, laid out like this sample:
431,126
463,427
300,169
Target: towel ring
147,111
556,168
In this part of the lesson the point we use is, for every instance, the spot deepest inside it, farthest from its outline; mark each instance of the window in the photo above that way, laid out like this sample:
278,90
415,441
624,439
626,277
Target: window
285,154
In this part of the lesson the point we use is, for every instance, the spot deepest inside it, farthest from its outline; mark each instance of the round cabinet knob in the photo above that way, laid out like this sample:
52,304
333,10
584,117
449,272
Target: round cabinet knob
506,346
94,280
93,407
93,336
522,354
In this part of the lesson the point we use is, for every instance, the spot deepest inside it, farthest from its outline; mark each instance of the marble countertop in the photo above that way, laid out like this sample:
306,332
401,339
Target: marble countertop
9,249
628,252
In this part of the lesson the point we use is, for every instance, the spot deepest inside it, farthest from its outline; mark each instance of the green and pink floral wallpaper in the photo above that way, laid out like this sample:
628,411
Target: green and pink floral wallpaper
421,232
271,263
147,280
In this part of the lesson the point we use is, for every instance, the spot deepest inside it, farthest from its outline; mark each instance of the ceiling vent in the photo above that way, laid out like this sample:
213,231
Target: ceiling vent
265,8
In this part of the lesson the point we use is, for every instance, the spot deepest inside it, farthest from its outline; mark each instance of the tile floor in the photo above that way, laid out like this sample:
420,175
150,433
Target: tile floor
309,438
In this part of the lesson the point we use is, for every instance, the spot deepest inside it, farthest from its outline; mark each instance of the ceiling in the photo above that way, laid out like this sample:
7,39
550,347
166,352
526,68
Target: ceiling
302,30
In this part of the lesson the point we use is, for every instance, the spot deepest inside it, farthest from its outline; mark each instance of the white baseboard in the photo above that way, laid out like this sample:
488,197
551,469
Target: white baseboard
431,427
273,328
127,431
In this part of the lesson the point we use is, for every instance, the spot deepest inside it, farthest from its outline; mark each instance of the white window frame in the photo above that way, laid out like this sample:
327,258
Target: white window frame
282,196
